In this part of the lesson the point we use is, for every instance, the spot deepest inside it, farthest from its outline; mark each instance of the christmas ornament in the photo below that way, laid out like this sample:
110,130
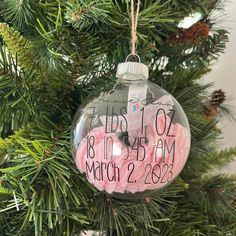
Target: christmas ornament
133,137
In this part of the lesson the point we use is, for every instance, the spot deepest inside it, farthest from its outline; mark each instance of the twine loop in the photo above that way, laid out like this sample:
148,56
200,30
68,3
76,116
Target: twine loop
134,26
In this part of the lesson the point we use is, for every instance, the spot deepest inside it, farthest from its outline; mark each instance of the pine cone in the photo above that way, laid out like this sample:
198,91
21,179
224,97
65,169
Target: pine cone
217,98
212,109
198,31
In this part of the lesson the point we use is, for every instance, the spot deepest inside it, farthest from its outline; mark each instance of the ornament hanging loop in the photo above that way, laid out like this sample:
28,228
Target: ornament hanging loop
134,26
133,56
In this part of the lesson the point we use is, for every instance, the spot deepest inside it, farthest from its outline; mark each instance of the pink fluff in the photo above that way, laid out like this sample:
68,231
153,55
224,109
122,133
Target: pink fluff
147,172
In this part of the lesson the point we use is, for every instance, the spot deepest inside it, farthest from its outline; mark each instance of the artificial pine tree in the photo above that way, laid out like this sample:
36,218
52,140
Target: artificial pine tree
54,54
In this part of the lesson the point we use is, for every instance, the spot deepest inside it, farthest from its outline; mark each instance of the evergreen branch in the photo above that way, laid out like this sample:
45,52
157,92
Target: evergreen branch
139,216
66,64
86,13
210,208
19,13
53,13
7,63
187,7
218,193
220,159
16,103
17,45
45,184
193,55
227,111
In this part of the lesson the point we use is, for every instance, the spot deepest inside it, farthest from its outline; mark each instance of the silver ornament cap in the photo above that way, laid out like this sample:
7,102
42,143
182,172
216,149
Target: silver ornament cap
132,71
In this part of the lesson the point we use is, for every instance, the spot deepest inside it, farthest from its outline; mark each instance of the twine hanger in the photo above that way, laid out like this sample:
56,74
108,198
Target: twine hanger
134,26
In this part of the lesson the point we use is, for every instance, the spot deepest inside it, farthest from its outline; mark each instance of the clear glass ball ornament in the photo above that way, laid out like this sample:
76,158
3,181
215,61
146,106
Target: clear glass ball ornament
132,138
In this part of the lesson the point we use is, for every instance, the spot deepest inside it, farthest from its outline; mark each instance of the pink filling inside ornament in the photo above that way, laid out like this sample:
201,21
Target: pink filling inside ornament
150,162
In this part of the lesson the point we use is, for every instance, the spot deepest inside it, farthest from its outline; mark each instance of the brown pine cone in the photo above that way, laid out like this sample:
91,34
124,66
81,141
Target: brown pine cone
217,98
197,31
212,109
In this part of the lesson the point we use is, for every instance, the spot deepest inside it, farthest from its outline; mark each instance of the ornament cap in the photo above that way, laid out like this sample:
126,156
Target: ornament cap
132,71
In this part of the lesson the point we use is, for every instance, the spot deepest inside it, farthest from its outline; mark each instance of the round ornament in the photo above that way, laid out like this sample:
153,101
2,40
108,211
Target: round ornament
133,137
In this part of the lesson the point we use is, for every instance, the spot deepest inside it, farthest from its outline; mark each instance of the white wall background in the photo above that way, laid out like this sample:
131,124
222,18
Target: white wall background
223,75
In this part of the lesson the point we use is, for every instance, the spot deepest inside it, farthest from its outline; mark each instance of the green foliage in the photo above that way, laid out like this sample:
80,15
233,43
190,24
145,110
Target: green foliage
44,183
54,54
20,13
83,15
15,99
17,45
